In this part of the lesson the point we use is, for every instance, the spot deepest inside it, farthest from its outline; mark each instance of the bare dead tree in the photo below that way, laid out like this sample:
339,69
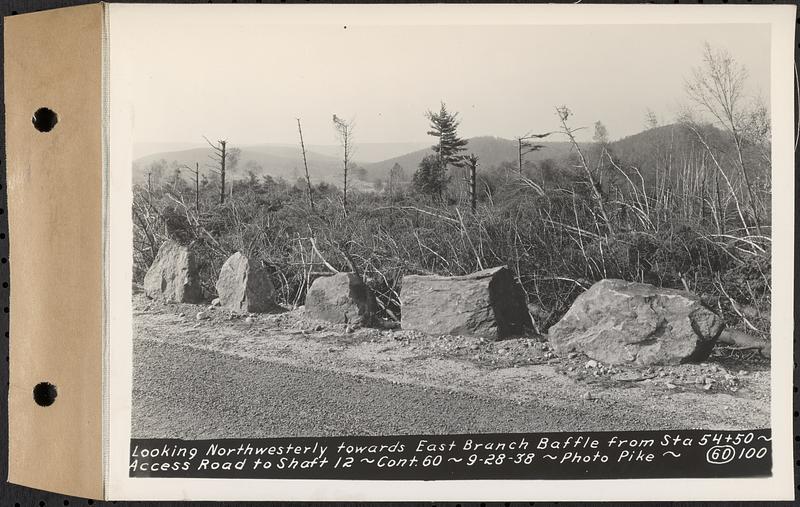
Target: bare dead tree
305,165
718,89
219,158
563,115
196,173
525,146
344,131
709,150
471,162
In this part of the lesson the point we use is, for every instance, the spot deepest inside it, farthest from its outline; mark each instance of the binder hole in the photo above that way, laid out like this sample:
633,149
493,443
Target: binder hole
44,394
44,119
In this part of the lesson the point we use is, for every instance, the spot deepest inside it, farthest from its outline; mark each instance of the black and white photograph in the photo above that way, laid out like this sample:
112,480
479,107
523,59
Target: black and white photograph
382,230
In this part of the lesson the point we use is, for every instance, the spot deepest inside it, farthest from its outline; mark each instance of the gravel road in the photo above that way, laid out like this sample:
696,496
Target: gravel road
221,375
188,393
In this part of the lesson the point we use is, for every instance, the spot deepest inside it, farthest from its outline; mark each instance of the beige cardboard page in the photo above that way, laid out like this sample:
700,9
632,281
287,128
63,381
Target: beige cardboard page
53,59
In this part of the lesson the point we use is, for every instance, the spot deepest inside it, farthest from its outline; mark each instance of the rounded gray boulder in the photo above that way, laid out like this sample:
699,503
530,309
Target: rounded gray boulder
342,298
173,277
488,304
620,322
244,288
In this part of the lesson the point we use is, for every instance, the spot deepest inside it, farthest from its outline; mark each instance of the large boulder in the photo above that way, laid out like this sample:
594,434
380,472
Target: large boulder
244,288
621,322
489,304
341,298
173,277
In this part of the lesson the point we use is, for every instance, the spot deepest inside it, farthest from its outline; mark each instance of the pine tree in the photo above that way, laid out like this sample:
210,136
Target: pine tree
444,126
429,178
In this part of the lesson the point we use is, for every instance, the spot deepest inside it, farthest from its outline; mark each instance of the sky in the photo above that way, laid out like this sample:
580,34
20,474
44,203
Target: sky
248,81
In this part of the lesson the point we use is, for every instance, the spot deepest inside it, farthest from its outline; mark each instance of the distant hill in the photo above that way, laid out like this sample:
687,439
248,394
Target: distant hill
674,147
366,153
324,161
646,149
277,161
491,151
144,149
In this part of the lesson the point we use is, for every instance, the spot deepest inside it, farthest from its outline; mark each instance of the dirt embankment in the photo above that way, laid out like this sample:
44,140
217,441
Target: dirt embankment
729,391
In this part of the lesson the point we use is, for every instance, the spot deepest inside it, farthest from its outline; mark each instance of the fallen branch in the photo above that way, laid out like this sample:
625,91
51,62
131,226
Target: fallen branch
316,251
637,379
744,341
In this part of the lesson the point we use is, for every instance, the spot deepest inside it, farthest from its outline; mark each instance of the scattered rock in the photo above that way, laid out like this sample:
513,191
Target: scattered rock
173,276
572,355
670,385
588,396
244,288
591,363
201,316
215,302
489,304
621,322
249,320
342,298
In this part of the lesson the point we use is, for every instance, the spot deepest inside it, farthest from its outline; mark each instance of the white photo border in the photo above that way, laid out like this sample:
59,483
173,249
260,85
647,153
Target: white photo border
118,385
